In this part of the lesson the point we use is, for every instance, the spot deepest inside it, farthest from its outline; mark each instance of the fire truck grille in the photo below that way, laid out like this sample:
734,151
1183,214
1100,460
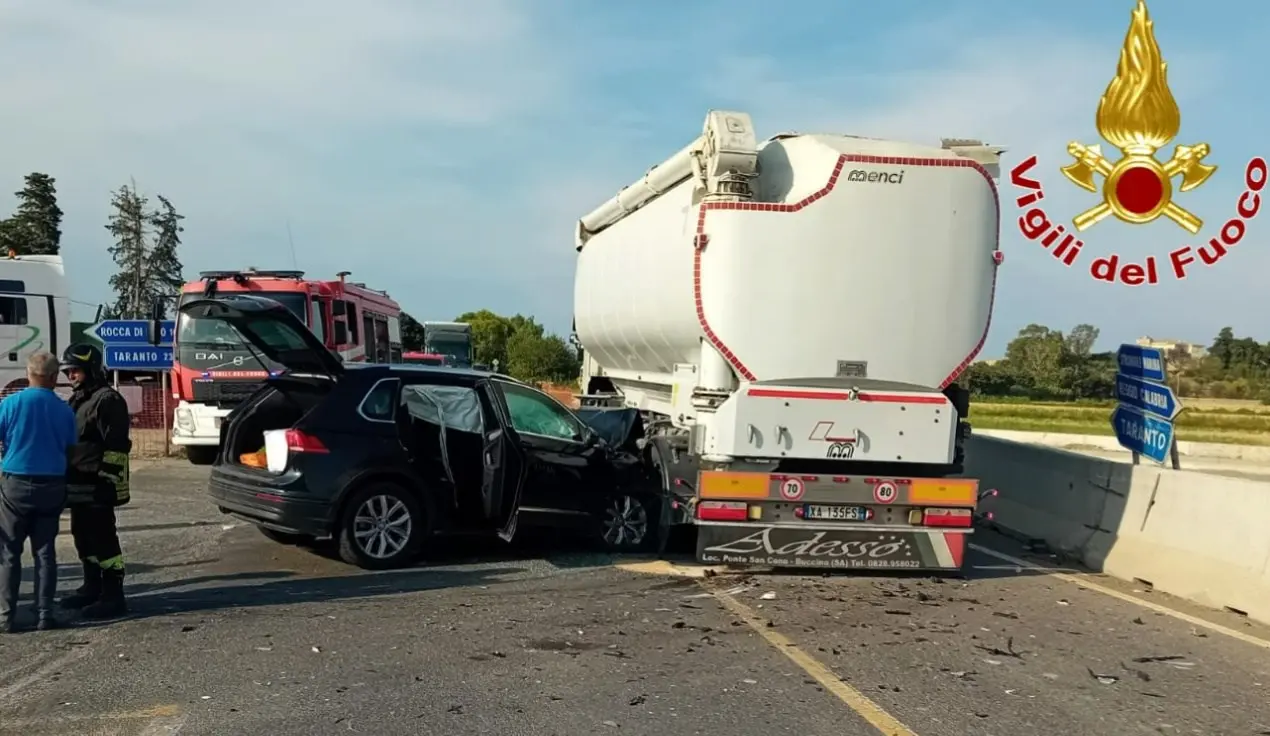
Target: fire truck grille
223,393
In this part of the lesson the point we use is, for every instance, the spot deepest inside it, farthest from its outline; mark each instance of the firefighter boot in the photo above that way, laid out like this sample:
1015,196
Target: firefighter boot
88,592
111,604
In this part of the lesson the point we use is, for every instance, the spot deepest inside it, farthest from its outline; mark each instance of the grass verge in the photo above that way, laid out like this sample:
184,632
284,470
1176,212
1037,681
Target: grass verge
1237,427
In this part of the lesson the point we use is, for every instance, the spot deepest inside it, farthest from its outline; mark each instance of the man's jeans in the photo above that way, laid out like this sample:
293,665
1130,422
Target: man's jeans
30,507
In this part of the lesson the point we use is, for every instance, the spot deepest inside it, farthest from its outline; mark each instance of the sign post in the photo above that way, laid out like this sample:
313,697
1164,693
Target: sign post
1144,418
128,345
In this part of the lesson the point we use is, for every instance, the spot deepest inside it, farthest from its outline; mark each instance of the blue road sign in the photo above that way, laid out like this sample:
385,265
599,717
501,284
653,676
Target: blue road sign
131,331
1141,433
138,358
1137,361
1151,398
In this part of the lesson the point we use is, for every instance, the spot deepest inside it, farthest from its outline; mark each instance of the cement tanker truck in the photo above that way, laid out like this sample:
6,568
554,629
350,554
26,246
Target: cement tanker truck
790,319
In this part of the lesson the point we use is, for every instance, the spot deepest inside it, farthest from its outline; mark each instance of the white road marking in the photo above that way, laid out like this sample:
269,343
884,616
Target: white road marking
1113,593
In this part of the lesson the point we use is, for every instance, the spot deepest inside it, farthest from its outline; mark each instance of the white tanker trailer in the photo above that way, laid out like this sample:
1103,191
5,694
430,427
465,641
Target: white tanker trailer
790,319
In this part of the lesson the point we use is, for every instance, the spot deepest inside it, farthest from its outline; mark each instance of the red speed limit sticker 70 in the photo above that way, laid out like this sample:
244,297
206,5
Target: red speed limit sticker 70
792,489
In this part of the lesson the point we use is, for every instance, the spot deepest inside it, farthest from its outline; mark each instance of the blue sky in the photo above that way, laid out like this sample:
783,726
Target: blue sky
443,150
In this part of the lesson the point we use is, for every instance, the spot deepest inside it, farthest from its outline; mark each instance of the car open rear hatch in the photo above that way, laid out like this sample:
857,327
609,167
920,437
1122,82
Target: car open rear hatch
272,330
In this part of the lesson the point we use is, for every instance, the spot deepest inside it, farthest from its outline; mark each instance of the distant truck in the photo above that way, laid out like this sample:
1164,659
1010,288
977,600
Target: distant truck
35,313
790,318
214,370
453,340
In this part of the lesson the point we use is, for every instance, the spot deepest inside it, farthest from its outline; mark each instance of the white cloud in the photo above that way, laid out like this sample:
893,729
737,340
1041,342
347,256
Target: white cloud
250,113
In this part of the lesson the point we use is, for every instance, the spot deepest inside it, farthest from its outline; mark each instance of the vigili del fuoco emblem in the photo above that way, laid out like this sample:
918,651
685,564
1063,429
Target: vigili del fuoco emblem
1138,115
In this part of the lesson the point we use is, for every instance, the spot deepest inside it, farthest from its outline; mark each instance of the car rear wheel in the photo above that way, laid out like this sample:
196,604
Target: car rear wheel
382,527
626,524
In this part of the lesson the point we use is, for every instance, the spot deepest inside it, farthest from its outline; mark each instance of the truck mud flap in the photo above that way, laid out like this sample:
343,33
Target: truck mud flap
827,547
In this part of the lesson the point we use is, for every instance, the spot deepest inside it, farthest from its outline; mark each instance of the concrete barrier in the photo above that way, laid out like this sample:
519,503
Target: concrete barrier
1106,443
1202,537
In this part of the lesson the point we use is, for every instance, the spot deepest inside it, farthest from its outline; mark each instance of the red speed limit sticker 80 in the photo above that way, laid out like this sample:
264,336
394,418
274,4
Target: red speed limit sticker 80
884,492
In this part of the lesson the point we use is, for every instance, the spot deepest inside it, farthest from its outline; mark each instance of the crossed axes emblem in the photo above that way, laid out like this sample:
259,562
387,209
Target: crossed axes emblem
1187,161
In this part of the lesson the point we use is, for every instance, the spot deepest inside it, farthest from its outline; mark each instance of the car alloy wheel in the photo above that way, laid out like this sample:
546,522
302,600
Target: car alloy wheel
383,526
625,523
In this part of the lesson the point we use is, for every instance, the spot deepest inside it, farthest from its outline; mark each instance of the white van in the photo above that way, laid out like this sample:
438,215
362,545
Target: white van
35,313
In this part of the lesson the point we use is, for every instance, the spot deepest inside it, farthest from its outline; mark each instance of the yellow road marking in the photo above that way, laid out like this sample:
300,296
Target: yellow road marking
854,699
662,567
142,714
870,711
1113,593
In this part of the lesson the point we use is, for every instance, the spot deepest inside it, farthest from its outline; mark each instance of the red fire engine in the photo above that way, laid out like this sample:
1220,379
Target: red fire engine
214,371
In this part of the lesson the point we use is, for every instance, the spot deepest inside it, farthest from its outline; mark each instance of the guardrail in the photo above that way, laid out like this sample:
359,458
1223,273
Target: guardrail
1199,536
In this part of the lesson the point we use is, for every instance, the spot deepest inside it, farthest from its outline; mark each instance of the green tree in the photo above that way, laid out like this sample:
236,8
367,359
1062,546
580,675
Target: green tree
129,226
36,227
1221,349
1079,343
540,358
411,333
490,333
163,263
523,347
991,379
1036,356
145,250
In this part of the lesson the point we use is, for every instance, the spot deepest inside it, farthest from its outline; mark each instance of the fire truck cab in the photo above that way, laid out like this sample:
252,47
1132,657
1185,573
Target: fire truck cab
214,370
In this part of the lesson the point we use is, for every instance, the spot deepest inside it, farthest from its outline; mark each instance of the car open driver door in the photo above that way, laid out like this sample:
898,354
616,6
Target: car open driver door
505,465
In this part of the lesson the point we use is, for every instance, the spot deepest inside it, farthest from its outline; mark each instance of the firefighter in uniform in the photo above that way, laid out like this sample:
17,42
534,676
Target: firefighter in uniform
97,481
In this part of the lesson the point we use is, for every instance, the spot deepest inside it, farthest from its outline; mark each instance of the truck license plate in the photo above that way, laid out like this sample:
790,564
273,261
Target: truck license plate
821,512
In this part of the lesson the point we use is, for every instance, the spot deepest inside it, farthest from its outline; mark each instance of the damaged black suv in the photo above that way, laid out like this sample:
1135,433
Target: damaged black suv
380,459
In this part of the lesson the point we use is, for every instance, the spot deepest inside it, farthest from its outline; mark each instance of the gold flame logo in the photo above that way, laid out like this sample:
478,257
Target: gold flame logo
1138,115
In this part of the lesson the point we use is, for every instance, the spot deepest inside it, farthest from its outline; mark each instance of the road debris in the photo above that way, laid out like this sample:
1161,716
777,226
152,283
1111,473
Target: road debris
1104,679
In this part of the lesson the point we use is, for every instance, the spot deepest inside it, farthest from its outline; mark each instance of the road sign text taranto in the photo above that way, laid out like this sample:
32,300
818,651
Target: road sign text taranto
1146,408
128,348
1138,116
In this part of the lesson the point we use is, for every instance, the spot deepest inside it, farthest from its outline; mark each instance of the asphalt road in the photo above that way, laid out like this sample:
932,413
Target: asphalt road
233,634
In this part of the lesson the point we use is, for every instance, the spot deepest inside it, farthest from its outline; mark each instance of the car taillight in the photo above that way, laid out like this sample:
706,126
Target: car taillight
723,511
281,443
298,441
947,517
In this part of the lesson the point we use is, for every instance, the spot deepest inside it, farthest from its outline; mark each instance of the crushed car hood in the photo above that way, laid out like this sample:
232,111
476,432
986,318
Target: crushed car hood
619,428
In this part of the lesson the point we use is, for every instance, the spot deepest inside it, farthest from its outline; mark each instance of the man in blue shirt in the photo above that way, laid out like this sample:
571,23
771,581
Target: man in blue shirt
37,429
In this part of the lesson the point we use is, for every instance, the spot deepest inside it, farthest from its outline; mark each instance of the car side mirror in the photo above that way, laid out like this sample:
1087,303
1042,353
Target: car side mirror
156,322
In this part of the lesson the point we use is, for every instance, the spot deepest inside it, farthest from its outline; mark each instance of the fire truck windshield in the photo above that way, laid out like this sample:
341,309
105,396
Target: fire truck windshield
213,333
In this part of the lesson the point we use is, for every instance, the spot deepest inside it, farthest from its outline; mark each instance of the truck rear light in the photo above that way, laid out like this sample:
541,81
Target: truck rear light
947,517
723,511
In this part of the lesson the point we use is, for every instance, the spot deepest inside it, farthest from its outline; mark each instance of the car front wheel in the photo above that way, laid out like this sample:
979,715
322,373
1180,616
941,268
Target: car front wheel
626,525
382,528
